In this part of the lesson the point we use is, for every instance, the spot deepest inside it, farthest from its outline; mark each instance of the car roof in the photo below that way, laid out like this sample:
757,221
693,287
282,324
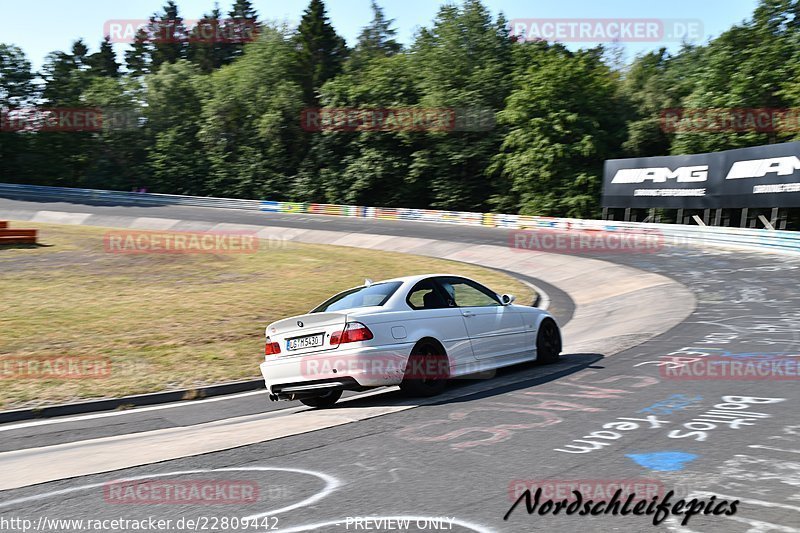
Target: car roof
419,277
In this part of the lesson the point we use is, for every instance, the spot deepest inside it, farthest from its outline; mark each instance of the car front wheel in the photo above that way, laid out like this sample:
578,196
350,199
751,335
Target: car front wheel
548,343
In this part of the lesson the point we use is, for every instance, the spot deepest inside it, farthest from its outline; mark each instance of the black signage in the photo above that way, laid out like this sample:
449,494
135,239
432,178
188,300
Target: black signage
761,176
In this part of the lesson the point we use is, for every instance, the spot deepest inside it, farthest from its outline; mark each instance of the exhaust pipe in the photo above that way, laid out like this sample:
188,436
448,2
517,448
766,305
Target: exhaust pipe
273,397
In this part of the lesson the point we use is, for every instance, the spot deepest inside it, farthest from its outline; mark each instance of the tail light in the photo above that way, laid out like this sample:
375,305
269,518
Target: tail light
353,332
272,348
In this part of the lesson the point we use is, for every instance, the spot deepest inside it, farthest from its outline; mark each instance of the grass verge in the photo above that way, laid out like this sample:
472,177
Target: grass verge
168,321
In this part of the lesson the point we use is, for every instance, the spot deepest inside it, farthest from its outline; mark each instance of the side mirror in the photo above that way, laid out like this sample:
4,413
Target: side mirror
508,299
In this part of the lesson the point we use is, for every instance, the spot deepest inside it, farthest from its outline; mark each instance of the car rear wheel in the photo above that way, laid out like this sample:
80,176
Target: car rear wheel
548,343
325,401
427,371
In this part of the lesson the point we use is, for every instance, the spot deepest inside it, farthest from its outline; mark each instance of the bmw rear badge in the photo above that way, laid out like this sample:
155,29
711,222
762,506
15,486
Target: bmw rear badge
299,323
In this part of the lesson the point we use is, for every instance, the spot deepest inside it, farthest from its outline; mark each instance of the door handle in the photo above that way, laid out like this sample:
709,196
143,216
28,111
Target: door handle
468,314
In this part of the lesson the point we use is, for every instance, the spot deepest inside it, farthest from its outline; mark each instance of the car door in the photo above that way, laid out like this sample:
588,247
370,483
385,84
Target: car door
433,316
495,330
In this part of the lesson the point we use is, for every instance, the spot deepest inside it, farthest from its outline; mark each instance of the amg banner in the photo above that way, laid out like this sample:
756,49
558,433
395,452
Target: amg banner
761,176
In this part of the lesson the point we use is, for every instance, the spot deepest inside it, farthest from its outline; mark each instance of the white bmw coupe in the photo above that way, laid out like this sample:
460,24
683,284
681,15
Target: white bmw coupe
416,332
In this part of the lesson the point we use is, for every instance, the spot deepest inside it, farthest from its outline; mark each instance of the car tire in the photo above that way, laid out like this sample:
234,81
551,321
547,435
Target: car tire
548,343
426,358
325,401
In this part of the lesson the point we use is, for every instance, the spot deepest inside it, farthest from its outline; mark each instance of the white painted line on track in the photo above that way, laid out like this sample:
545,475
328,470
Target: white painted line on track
92,416
331,484
32,466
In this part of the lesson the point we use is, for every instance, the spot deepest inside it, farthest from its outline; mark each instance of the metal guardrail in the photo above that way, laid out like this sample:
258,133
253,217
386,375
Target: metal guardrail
745,238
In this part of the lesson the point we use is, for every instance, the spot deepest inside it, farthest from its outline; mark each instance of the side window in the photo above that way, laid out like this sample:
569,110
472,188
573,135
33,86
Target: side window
469,294
425,295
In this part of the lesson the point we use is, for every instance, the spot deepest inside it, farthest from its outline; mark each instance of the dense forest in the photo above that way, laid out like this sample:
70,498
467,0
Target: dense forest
222,117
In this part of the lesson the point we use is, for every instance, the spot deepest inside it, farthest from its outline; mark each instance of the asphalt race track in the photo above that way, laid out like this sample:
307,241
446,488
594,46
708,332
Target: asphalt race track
454,463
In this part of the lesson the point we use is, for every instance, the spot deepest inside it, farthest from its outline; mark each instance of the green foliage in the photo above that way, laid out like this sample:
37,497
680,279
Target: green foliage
563,121
175,155
168,36
104,62
205,49
250,121
463,62
240,28
16,90
138,58
320,51
368,167
223,116
375,41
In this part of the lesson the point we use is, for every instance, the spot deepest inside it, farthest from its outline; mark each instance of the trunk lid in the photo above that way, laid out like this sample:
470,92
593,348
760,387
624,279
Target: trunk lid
300,327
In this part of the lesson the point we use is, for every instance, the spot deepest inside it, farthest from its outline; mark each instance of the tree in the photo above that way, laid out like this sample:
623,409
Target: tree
320,51
366,167
745,67
647,95
16,78
168,35
66,76
251,121
563,122
206,47
62,157
16,91
137,59
375,40
120,160
104,62
464,63
175,155
240,28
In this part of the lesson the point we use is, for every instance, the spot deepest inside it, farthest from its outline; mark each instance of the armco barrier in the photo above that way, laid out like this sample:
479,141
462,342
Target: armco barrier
755,239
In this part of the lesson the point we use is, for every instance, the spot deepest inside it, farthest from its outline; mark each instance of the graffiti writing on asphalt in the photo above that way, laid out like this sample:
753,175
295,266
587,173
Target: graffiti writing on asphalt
729,414
763,478
575,393
676,402
666,461
602,438
774,332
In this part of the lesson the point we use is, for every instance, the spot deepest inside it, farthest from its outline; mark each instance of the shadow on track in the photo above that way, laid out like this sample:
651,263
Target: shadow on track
470,388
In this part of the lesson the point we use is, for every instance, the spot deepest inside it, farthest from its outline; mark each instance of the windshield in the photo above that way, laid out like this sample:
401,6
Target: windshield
374,295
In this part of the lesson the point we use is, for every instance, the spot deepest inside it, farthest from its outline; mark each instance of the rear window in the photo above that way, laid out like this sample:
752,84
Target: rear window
374,295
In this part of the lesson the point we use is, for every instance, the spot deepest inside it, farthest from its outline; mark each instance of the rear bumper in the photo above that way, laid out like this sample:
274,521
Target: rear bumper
353,369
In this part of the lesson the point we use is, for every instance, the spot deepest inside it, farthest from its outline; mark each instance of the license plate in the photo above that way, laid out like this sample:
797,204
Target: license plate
300,343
